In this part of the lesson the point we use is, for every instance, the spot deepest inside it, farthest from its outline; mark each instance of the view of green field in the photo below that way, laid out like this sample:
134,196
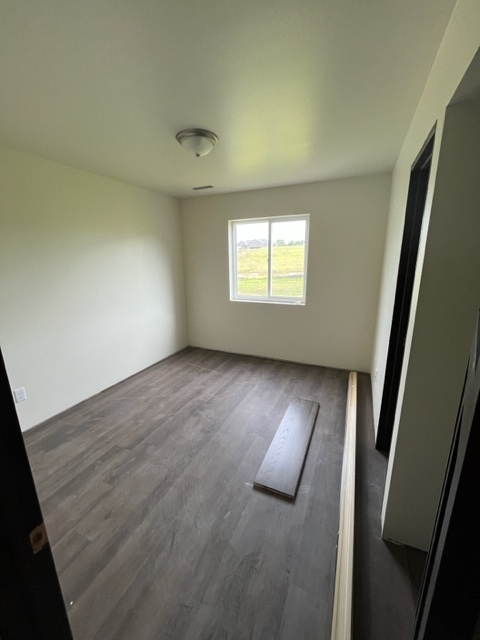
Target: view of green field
287,271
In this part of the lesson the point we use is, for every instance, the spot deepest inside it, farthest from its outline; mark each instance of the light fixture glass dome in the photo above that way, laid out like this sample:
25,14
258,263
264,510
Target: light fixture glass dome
197,141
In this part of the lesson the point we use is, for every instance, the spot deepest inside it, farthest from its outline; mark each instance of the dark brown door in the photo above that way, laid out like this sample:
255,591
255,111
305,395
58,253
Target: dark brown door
417,193
449,602
31,602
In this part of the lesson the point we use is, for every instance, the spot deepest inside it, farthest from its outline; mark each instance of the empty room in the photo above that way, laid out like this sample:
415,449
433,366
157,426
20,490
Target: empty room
239,296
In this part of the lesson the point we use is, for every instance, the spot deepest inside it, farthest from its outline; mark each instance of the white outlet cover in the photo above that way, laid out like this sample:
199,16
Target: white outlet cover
20,394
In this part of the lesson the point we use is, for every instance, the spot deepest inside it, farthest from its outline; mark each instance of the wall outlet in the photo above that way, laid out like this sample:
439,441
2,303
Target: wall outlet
20,394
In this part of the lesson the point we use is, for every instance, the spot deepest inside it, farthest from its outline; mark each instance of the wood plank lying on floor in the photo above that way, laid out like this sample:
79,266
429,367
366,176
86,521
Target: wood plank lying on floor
342,607
282,466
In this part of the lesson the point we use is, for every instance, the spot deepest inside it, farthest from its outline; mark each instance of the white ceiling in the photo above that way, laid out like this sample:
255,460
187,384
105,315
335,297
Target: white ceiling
296,90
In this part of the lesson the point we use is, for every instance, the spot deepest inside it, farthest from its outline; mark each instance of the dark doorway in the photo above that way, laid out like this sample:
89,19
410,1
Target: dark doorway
32,606
417,194
449,603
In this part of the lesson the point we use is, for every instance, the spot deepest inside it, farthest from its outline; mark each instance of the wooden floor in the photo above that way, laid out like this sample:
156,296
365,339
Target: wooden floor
387,576
157,532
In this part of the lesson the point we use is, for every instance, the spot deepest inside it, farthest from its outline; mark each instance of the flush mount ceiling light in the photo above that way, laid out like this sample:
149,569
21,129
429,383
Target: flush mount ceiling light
197,141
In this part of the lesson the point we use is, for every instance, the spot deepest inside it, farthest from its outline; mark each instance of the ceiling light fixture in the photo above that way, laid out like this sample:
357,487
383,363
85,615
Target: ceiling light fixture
197,141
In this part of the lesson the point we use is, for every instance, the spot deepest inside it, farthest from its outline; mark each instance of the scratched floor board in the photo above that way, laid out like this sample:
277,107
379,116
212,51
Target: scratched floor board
156,529
282,466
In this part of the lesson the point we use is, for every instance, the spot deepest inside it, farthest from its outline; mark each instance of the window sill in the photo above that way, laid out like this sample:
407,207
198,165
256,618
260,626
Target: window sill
289,303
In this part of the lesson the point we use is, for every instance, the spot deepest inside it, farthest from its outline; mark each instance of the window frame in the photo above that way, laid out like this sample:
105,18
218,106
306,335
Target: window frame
232,251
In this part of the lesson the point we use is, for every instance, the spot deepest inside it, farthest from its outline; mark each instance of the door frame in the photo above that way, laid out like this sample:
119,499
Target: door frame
417,194
32,603
449,602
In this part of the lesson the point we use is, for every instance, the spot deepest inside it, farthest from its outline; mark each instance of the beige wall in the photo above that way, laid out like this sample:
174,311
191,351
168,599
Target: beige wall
335,327
420,442
91,282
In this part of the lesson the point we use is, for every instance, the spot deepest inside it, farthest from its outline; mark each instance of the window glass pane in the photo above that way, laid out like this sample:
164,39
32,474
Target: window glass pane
288,258
252,258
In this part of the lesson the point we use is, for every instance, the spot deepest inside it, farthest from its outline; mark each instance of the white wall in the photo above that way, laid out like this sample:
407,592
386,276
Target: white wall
91,282
336,326
415,469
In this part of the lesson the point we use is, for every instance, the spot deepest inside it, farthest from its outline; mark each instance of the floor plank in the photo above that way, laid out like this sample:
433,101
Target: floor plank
283,463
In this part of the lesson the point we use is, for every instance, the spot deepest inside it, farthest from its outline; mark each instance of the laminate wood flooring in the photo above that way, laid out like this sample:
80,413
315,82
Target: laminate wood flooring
157,532
147,494
386,576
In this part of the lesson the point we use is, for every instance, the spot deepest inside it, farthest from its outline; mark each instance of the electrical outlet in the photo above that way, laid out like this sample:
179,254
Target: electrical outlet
20,394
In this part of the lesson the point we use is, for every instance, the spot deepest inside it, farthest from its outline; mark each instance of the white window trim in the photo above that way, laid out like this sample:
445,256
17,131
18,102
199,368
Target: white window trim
232,247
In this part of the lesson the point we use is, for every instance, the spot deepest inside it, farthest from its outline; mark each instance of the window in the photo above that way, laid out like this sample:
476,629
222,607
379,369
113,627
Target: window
268,259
